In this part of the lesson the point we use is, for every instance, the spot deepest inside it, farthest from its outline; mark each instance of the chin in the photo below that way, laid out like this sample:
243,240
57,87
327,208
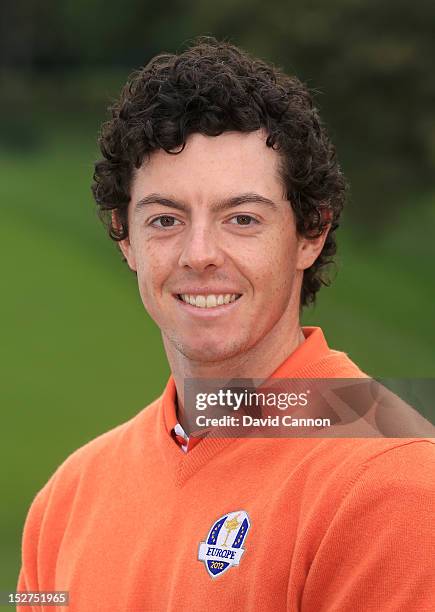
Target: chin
210,352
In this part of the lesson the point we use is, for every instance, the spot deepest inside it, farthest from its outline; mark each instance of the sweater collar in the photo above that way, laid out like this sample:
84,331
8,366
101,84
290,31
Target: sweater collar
313,349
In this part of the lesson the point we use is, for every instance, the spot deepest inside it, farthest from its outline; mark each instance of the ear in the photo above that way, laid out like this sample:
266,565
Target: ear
310,248
125,245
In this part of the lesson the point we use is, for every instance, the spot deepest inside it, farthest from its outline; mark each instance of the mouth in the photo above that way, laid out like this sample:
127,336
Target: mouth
208,301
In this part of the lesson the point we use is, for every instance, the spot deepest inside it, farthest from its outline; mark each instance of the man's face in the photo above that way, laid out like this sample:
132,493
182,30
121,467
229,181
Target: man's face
191,240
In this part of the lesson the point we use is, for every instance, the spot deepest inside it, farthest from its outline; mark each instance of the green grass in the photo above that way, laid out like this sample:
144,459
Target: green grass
378,308
79,353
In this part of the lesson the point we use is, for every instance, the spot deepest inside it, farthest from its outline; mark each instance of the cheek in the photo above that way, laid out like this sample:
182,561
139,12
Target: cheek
272,265
151,275
286,251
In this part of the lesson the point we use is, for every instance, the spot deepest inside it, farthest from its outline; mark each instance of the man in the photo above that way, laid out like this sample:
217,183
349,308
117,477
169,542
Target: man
224,194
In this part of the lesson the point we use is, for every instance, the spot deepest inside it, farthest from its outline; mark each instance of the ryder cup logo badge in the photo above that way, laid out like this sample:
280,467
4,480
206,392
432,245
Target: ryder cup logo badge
223,546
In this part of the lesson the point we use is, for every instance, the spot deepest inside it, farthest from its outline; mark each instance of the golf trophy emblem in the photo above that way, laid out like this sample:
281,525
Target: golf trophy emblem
222,548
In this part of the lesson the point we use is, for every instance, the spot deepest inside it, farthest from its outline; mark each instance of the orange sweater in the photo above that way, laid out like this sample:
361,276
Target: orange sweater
131,523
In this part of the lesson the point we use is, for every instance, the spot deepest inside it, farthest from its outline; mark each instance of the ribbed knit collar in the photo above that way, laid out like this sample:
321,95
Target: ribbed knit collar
306,361
314,345
304,356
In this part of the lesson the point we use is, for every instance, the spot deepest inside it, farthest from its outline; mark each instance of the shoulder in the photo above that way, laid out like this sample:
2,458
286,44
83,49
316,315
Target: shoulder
404,465
402,459
381,457
81,478
333,471
99,456
341,365
359,472
379,527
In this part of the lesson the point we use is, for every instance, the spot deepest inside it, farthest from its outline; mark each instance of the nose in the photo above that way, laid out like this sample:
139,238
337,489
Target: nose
201,249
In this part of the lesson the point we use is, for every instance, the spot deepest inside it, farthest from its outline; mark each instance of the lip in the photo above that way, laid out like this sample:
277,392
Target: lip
207,291
207,313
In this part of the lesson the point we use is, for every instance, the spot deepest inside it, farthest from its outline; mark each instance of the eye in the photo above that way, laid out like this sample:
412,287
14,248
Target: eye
243,220
163,221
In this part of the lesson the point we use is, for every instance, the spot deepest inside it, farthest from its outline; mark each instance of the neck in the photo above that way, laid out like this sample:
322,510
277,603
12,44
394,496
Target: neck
260,361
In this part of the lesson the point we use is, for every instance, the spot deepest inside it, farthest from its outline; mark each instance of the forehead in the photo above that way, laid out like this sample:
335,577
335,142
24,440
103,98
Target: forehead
211,167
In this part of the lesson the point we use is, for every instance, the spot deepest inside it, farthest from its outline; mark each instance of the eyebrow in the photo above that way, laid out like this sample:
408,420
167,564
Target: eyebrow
232,202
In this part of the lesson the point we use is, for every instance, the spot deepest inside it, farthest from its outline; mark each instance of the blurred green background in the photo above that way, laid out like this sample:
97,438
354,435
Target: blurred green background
80,355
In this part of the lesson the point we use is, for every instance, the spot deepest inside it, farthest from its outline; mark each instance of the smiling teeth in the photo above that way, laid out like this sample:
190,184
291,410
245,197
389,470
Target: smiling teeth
209,301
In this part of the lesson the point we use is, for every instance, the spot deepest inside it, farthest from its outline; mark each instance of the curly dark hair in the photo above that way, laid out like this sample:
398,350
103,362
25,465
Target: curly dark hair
210,88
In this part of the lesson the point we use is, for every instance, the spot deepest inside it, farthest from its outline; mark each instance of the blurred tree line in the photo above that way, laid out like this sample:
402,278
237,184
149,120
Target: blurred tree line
370,62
